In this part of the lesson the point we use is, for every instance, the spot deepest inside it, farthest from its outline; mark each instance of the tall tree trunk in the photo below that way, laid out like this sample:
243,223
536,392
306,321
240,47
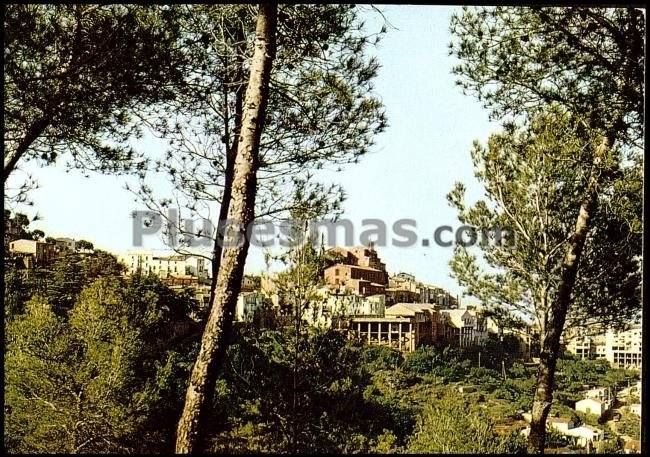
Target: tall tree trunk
241,209
556,315
231,153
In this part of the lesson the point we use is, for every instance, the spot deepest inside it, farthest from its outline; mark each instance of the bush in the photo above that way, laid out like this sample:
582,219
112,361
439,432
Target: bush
424,360
375,358
451,425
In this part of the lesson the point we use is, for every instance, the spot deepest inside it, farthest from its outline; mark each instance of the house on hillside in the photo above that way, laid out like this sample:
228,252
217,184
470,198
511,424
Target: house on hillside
583,435
463,327
400,333
592,406
600,393
248,303
561,424
32,253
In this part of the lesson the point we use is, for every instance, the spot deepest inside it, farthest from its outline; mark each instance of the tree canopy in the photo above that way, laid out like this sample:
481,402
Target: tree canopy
99,379
75,75
322,110
534,178
589,60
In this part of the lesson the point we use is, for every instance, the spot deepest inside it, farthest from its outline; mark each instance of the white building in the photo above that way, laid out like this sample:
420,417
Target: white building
635,408
330,306
561,424
165,266
592,406
247,304
600,393
585,435
33,252
67,243
581,346
622,349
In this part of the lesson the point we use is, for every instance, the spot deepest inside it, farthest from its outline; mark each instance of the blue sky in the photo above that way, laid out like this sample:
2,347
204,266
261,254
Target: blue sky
414,164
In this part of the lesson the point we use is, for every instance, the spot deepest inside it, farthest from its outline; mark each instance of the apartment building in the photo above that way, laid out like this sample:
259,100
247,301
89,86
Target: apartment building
438,296
429,321
362,256
622,349
396,295
165,266
356,279
361,272
331,307
464,327
248,303
405,326
404,288
401,333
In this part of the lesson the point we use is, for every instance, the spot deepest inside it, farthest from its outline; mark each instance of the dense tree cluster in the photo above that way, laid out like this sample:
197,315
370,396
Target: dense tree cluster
94,362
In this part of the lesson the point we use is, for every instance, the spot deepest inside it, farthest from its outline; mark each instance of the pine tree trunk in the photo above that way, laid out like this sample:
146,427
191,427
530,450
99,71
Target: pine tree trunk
556,314
241,209
231,154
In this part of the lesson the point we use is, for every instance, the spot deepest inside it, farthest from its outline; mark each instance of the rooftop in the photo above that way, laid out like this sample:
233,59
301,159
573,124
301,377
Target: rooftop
338,265
380,319
410,308
559,420
455,316
602,402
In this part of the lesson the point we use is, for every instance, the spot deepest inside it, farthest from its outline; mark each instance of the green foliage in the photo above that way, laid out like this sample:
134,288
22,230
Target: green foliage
129,337
16,227
61,281
425,359
629,424
16,293
589,419
449,363
75,73
555,439
534,179
613,446
83,244
100,379
386,443
449,424
589,60
574,374
495,351
375,358
312,399
322,109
